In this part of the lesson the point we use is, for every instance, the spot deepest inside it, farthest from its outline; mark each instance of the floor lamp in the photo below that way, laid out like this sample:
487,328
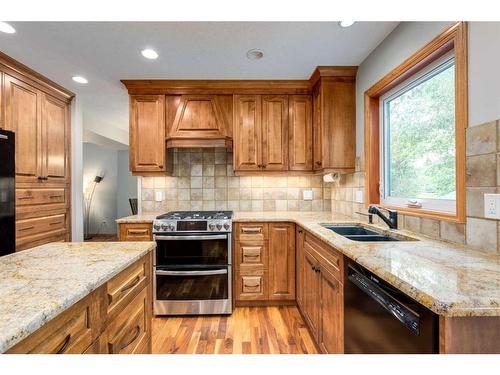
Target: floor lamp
89,194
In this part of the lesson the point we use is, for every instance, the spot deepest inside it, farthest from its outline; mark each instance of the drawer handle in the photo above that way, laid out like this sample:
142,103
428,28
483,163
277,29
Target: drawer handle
138,231
131,285
55,196
57,222
26,228
65,344
251,255
251,286
137,330
28,197
251,230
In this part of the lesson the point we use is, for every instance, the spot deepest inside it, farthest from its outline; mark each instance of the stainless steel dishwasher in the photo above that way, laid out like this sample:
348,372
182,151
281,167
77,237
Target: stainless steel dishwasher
379,318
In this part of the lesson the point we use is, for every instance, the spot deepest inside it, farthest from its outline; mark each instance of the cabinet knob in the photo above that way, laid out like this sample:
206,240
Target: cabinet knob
318,163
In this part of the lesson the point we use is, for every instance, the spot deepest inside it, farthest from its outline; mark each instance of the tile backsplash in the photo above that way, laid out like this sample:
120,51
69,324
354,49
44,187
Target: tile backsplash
203,179
482,176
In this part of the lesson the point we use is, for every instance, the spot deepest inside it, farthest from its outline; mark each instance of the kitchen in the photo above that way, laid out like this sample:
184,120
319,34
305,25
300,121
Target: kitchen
350,209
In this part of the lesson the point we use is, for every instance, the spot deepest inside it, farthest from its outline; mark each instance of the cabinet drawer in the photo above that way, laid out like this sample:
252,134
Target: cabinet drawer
251,284
26,197
251,231
38,225
128,332
327,256
136,232
125,285
251,253
72,332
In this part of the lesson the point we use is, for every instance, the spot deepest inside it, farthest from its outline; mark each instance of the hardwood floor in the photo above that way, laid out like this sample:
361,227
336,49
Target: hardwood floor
249,330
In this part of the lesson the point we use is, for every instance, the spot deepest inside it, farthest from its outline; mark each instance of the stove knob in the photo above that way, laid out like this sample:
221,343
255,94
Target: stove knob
226,226
219,226
211,226
171,227
164,227
157,226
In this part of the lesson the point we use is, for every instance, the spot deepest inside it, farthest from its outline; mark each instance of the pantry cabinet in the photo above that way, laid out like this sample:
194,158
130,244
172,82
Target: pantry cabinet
38,112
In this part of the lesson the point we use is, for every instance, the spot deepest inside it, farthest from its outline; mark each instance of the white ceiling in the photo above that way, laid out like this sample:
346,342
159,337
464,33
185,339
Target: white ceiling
105,52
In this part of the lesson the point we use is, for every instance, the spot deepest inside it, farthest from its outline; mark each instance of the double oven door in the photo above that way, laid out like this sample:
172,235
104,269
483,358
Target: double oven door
193,274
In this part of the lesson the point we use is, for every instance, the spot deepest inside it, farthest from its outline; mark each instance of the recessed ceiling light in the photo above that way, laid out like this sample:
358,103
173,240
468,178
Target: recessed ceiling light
255,54
149,53
6,28
346,23
80,79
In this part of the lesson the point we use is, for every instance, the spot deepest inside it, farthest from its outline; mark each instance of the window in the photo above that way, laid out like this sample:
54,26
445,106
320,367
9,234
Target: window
415,119
418,153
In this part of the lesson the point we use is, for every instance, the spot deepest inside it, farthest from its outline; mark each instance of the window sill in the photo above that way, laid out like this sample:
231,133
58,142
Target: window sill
436,215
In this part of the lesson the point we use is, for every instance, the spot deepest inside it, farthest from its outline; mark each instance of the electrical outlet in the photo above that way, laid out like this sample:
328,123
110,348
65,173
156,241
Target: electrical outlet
492,206
359,196
307,195
159,196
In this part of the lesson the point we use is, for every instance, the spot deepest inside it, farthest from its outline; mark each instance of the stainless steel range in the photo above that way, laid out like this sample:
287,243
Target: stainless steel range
192,263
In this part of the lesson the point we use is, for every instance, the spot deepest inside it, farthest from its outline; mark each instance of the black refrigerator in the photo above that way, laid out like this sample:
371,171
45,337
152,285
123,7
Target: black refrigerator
7,193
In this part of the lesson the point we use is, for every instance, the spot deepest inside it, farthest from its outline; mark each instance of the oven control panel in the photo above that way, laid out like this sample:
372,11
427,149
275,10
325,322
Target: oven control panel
219,226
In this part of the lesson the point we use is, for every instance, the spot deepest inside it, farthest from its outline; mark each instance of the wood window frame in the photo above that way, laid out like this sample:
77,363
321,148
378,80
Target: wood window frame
452,39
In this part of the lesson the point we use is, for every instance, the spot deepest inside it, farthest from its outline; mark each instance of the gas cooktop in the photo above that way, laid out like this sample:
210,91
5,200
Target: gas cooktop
193,221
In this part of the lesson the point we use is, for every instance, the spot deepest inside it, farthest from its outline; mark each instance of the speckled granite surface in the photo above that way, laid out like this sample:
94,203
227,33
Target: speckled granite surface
449,279
38,284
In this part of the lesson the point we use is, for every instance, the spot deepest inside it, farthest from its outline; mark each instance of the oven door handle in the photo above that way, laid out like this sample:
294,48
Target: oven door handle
191,273
208,237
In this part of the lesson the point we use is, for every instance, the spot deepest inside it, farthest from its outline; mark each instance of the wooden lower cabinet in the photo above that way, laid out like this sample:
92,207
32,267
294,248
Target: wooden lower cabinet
115,318
135,232
264,263
320,291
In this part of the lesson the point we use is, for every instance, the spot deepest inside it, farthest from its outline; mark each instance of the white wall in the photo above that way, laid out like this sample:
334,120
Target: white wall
103,162
127,185
484,72
409,37
76,171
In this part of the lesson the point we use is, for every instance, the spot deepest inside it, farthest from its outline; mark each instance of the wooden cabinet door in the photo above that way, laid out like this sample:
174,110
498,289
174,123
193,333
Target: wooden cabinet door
299,283
247,132
281,261
300,151
332,314
317,129
311,298
55,138
147,133
275,132
22,116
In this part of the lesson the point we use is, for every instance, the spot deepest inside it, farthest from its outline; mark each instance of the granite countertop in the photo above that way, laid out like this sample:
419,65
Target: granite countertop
451,280
38,284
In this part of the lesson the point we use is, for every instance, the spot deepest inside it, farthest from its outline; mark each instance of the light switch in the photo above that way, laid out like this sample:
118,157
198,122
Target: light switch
159,196
307,195
492,206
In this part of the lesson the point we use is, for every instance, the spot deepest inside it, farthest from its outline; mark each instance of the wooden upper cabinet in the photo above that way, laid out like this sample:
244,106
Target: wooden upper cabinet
200,116
147,134
281,261
334,101
247,132
275,133
300,153
54,127
22,116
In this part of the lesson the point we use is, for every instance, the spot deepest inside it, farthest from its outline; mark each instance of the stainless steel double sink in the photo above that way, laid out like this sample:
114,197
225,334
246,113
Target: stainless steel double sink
361,233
